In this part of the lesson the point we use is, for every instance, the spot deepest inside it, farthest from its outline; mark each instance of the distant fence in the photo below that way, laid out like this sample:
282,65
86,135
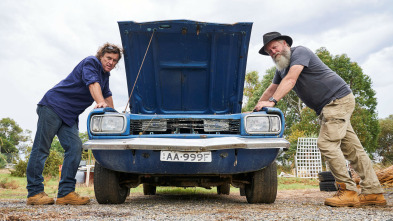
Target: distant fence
308,158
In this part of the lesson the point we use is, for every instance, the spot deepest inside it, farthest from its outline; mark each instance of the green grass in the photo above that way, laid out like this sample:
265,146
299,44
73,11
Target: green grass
285,183
51,185
12,187
188,191
20,192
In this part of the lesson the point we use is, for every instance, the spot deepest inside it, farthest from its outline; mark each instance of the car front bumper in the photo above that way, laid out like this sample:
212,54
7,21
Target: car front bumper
176,144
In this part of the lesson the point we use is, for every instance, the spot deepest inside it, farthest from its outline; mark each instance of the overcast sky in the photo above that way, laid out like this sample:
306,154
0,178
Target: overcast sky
42,41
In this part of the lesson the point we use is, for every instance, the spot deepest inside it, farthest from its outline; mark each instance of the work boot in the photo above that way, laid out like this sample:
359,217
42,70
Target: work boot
343,197
40,199
372,199
72,199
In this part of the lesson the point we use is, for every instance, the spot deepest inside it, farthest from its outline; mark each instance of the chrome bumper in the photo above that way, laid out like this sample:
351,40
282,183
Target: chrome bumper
186,144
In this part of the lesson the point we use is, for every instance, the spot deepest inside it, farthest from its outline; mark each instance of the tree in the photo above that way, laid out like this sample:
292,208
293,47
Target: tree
385,140
252,84
11,135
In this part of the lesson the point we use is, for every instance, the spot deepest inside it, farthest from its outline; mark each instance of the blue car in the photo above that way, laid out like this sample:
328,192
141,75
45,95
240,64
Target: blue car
184,125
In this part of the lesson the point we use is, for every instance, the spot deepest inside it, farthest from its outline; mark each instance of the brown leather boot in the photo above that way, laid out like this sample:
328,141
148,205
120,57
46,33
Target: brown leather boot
372,199
343,197
72,199
40,199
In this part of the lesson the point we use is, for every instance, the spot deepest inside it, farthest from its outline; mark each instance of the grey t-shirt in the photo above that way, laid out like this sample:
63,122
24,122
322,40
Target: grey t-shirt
317,84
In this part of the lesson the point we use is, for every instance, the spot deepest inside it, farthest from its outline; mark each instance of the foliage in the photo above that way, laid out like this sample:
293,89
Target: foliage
20,169
51,167
52,163
85,154
3,161
366,126
308,123
253,96
287,158
252,84
359,82
56,146
4,183
11,134
385,140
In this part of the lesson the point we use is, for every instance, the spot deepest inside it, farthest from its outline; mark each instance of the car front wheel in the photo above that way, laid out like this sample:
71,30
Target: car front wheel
106,186
263,185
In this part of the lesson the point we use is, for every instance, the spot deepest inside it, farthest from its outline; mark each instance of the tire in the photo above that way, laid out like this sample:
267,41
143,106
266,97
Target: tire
326,176
106,186
263,186
327,186
224,189
149,189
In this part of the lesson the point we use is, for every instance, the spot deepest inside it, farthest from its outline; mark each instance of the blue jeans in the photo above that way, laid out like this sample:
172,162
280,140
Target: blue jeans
50,124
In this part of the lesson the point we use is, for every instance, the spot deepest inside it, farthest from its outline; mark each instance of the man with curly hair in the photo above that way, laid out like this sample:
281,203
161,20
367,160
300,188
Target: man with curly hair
58,114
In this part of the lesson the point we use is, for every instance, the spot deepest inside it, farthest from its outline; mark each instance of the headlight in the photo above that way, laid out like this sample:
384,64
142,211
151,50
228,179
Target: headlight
108,124
265,124
215,125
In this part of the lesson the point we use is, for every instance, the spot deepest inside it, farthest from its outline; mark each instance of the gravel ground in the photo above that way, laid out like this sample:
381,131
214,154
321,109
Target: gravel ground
290,205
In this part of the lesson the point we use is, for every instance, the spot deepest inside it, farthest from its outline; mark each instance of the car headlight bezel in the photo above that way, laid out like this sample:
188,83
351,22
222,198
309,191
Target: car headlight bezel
273,121
97,124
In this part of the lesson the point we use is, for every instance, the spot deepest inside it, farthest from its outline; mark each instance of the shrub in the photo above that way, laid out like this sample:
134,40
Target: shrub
20,169
51,165
8,185
3,161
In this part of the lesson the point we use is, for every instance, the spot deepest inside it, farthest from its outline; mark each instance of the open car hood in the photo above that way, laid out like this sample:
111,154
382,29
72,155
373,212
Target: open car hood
190,67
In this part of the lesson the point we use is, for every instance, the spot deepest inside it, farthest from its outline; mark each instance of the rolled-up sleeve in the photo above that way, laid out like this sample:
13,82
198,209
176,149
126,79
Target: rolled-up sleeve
90,72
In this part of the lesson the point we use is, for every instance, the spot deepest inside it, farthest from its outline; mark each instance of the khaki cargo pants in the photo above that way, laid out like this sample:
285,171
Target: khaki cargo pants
337,141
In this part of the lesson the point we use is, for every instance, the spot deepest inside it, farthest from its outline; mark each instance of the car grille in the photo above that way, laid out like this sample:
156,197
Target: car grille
183,126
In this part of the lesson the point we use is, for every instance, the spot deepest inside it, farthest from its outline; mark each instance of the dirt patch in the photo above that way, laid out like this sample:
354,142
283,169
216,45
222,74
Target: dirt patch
5,171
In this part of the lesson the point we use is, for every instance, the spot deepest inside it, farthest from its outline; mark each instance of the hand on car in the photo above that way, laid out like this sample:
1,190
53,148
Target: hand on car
101,105
262,104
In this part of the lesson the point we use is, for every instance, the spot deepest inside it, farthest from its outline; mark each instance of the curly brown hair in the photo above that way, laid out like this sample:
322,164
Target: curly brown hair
109,48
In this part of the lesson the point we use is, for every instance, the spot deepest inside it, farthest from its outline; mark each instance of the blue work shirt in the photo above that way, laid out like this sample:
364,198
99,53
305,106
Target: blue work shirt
71,96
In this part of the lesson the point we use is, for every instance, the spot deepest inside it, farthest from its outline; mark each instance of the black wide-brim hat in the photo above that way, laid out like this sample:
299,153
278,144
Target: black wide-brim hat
268,37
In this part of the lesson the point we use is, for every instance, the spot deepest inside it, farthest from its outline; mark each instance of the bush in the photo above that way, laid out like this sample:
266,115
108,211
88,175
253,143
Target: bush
8,185
20,169
51,165
3,161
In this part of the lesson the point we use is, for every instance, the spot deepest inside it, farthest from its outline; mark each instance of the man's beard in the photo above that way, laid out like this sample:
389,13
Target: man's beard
283,60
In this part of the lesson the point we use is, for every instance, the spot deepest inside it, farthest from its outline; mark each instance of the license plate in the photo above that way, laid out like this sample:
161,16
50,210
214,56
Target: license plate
179,156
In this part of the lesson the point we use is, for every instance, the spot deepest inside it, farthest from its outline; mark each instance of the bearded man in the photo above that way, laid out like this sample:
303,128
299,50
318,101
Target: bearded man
325,92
